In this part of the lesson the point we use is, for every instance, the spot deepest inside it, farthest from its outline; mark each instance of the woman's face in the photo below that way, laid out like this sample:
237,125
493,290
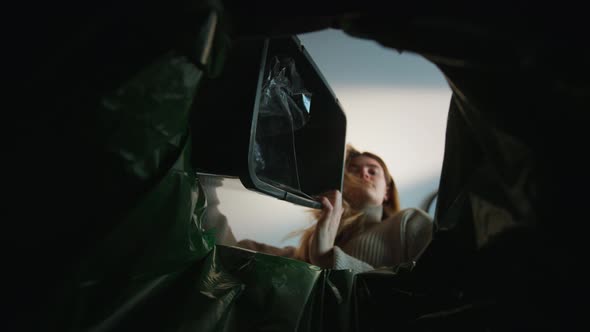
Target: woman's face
371,189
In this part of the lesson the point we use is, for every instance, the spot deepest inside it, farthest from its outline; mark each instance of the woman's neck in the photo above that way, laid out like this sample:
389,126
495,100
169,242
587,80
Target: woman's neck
373,213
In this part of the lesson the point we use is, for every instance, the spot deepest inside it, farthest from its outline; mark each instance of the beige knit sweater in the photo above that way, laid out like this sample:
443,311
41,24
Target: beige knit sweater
400,238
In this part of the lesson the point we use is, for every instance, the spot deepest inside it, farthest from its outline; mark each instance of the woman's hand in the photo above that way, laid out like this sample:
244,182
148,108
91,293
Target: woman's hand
322,243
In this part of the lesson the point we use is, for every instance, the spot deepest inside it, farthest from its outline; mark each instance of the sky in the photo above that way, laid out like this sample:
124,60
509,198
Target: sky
396,106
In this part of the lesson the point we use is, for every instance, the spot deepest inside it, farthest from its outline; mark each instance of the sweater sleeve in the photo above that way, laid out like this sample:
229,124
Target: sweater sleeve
343,261
416,234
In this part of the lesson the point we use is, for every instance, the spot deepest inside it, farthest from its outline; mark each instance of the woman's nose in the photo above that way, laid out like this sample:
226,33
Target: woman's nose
365,174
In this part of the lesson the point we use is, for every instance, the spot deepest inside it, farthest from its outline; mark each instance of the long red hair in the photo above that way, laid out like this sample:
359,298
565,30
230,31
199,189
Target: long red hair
352,221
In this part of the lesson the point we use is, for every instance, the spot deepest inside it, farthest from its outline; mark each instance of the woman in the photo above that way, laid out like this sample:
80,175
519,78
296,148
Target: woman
362,229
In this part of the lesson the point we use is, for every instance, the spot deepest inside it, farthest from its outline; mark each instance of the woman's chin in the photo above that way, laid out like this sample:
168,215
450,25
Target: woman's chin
362,202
